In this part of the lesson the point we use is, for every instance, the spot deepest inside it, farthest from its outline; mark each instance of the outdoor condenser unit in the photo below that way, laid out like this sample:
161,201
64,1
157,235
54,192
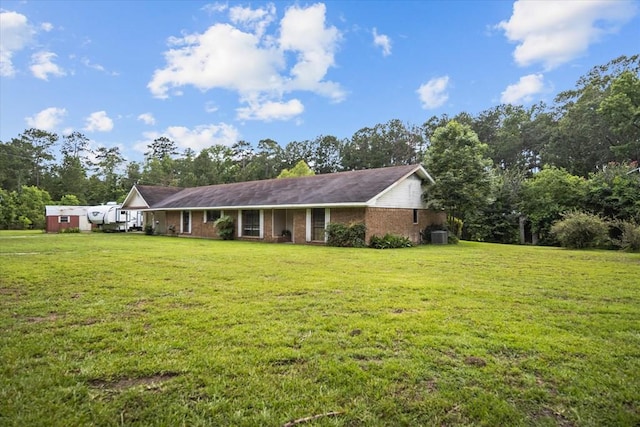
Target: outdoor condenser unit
440,237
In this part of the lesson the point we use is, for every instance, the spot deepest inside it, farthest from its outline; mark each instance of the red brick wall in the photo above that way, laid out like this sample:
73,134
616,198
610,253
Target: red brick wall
381,221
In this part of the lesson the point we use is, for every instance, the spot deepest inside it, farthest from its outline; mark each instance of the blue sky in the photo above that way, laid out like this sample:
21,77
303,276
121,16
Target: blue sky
204,73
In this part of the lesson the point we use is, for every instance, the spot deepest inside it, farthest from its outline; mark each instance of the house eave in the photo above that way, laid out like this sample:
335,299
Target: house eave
254,207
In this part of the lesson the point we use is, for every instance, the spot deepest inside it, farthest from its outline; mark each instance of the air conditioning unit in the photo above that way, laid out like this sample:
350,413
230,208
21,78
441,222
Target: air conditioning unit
440,237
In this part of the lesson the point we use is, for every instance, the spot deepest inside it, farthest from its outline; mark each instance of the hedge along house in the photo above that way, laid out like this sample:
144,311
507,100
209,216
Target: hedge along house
386,200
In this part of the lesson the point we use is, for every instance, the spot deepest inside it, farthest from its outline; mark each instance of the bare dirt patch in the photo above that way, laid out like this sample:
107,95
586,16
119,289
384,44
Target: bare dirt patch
124,383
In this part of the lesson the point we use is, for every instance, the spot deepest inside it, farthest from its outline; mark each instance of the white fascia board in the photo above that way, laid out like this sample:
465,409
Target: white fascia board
254,207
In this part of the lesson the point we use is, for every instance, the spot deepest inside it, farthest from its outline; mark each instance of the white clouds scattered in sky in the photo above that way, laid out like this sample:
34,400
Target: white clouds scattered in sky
42,65
382,41
433,94
47,119
15,35
555,32
46,26
524,90
147,118
198,138
242,58
98,122
271,110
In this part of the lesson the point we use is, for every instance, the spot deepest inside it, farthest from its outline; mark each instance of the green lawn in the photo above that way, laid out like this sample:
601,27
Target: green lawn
128,329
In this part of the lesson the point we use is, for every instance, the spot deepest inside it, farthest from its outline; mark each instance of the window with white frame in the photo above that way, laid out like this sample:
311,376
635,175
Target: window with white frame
212,215
63,219
251,223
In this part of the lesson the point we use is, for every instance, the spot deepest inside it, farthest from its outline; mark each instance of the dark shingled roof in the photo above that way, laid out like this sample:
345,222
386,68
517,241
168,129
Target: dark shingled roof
354,187
154,194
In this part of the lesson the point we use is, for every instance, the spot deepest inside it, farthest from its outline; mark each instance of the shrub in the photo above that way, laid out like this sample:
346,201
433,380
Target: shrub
352,235
148,230
225,228
630,236
455,226
579,230
389,241
70,230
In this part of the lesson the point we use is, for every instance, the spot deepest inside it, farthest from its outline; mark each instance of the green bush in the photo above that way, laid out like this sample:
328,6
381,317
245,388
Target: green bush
580,230
455,226
389,241
630,236
225,227
148,230
70,230
352,235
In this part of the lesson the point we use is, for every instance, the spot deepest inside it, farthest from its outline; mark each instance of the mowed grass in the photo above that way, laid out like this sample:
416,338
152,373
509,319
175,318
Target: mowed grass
115,329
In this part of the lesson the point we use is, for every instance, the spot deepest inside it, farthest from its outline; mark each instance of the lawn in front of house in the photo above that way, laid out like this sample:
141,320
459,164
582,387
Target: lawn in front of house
130,329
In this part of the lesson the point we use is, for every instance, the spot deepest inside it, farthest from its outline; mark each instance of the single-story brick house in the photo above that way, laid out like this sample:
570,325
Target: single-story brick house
62,217
387,200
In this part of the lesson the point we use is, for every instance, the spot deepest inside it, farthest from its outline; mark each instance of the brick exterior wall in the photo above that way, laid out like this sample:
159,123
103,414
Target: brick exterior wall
379,221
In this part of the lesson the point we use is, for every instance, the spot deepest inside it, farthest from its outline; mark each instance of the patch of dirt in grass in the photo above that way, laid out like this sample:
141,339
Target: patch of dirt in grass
556,416
475,361
288,361
414,392
52,317
13,292
150,382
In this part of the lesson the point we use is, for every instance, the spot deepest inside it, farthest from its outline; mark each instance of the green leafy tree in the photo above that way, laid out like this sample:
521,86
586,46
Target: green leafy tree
621,109
70,200
499,220
7,209
30,204
107,166
591,128
546,196
457,161
300,169
614,192
325,154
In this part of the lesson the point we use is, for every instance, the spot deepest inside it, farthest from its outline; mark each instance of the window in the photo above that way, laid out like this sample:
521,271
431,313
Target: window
186,222
317,224
415,216
251,223
212,215
64,219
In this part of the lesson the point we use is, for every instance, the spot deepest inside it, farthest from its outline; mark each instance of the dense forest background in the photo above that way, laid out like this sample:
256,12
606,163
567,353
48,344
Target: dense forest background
492,169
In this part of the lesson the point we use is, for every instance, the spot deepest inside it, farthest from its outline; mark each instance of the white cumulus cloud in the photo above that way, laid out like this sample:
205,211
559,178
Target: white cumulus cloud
15,35
42,65
147,118
246,55
198,138
434,93
524,90
382,41
98,122
271,110
556,31
47,119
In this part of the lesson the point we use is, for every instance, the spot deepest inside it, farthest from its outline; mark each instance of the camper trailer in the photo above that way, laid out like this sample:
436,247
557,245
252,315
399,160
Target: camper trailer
111,217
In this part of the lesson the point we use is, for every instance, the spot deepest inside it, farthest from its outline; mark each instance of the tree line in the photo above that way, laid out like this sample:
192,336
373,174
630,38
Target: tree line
493,169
